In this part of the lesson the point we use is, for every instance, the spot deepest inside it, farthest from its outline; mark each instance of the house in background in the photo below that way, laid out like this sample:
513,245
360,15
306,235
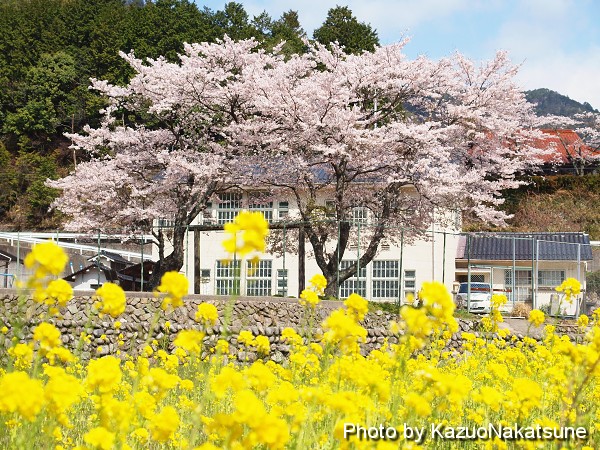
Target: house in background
111,259
91,277
396,272
537,262
570,154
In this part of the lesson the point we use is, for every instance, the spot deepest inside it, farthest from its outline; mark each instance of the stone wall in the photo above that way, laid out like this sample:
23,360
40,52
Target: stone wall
265,316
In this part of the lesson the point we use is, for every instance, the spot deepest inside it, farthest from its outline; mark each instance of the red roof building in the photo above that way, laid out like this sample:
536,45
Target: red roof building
570,155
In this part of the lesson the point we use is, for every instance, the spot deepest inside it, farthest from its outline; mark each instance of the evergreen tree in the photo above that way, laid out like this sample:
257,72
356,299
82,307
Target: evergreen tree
342,27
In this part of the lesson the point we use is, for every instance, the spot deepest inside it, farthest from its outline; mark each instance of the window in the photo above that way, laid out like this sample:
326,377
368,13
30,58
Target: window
227,278
330,209
282,282
165,223
284,210
522,277
550,278
230,205
257,203
207,218
410,280
359,215
385,279
522,292
353,284
258,277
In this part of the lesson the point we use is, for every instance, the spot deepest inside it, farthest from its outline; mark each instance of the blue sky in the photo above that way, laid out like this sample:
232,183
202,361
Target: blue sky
556,41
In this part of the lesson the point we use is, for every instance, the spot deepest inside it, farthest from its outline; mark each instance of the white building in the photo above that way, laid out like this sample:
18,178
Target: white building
398,269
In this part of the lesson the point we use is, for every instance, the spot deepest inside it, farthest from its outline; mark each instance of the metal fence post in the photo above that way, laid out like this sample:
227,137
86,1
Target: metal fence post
578,308
141,267
444,261
285,287
358,262
532,272
514,270
337,263
19,254
468,273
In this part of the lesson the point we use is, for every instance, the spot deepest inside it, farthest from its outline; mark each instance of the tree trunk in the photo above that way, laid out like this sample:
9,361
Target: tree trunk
173,262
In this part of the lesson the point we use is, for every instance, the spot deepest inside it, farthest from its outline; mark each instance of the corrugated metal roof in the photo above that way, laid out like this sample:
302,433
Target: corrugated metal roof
527,246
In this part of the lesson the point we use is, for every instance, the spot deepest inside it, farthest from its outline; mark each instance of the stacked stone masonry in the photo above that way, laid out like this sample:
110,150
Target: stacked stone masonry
262,316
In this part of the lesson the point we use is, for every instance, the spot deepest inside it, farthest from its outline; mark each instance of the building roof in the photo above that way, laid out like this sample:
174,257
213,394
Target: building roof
133,272
108,272
567,145
527,246
112,256
6,256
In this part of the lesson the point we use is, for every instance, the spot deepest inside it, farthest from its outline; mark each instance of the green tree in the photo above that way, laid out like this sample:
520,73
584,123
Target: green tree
46,98
341,26
8,194
32,170
287,28
234,22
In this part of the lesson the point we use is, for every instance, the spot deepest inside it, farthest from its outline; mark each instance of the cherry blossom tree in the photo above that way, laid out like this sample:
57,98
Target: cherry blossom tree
159,151
398,137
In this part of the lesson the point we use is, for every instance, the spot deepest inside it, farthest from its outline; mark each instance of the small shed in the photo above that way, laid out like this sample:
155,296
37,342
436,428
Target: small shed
91,277
135,277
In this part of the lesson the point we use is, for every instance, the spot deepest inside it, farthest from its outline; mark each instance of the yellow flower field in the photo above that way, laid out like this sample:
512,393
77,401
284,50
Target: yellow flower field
498,393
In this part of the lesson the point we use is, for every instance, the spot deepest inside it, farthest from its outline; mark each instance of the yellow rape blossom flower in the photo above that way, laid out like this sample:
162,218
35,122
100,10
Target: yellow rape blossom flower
309,297
21,394
112,299
23,355
248,232
207,313
583,321
357,306
222,346
536,318
499,300
571,287
60,291
175,285
46,259
100,438
262,345
47,335
290,335
104,373
246,337
319,283
164,424
190,341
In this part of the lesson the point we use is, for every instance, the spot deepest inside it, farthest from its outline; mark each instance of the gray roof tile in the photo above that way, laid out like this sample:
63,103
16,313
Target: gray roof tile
527,246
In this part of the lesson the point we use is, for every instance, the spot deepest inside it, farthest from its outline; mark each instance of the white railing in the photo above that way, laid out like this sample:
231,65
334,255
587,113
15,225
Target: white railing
35,238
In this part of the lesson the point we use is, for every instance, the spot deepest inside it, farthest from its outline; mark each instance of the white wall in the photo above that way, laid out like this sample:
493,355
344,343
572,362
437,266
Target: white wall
431,259
84,281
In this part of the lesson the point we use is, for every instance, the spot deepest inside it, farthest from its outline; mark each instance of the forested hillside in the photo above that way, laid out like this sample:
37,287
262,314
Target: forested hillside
554,203
49,50
550,102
